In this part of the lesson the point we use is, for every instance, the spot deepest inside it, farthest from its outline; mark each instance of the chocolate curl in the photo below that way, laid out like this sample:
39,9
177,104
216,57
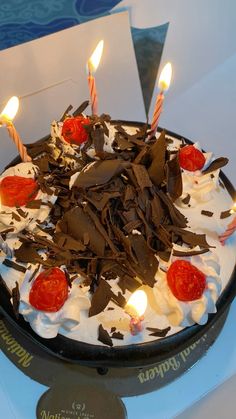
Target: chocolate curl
19,145
231,228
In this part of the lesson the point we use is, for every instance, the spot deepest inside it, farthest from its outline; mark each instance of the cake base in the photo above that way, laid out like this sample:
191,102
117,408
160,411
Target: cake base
163,353
36,363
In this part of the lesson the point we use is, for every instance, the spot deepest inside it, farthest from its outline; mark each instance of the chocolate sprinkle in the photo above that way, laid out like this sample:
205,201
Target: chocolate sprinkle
207,213
225,214
10,264
16,299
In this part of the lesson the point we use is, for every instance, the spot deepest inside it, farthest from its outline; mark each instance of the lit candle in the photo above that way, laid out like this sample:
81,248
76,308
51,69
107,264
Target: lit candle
163,84
6,117
3,245
231,227
92,66
136,307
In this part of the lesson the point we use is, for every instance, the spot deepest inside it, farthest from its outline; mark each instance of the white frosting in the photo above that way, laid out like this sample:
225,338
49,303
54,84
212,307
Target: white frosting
182,313
47,324
28,170
201,187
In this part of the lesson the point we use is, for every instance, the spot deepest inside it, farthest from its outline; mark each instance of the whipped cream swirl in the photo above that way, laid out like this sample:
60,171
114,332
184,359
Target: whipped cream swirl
198,185
47,324
180,313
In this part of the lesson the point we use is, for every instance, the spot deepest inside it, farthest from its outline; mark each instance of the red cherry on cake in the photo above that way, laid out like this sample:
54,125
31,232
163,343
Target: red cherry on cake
190,158
49,290
186,282
73,130
16,191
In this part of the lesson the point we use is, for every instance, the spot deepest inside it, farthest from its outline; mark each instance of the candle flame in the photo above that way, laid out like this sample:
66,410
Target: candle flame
233,209
95,58
10,110
165,77
137,304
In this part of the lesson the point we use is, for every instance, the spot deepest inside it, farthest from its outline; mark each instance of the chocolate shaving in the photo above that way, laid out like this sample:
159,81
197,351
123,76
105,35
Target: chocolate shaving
68,109
156,153
21,212
98,139
103,336
76,222
34,273
100,172
68,243
34,204
100,298
174,178
189,252
15,216
142,176
186,199
10,264
216,164
81,108
225,214
207,213
27,254
117,335
16,299
193,239
147,262
160,333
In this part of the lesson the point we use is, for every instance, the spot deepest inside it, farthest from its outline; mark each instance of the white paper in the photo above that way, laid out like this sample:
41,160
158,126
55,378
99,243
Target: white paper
50,73
200,43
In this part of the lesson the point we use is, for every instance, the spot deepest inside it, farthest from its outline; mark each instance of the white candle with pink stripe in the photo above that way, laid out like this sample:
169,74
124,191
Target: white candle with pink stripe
163,84
6,117
92,66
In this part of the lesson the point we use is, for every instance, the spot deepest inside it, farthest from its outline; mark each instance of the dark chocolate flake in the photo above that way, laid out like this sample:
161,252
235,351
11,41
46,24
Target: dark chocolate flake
225,214
174,178
216,164
34,204
10,264
117,335
186,199
15,217
207,213
16,299
161,333
100,298
103,336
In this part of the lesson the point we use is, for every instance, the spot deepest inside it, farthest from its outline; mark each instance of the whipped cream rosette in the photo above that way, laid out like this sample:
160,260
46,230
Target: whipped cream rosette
27,215
201,184
186,313
47,324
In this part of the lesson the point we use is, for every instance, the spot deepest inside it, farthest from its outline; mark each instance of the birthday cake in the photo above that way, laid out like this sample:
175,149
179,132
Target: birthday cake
105,209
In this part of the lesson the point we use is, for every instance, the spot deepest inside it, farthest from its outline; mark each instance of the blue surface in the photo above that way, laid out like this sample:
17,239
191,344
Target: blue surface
24,20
